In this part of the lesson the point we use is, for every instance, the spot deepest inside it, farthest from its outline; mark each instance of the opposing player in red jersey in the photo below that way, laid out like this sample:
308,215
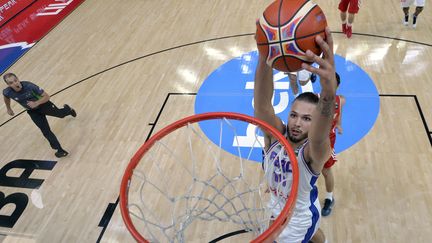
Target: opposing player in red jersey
327,172
352,6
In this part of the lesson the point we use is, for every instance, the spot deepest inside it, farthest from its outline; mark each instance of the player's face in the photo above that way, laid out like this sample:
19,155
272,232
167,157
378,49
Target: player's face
14,83
299,120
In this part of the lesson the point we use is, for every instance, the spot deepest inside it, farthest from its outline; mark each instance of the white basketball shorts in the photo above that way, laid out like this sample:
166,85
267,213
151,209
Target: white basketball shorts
302,225
407,3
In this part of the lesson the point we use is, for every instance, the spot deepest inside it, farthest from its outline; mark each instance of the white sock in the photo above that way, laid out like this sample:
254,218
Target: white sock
344,21
329,195
325,241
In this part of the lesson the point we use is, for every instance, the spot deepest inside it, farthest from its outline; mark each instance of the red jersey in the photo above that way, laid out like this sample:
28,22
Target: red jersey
335,120
336,116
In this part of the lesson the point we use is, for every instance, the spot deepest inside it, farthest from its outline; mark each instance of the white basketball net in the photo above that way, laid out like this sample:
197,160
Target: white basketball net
185,185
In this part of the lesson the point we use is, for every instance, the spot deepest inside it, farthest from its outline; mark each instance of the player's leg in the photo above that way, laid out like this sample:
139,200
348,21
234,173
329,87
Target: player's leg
405,5
349,25
343,16
50,109
353,9
343,7
329,179
318,237
42,123
329,184
418,10
406,15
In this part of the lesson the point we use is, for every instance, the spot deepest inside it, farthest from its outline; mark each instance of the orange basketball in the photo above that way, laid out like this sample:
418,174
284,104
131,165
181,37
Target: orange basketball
286,29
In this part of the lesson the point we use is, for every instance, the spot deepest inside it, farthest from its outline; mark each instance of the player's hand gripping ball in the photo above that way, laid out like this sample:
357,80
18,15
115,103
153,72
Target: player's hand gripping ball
286,29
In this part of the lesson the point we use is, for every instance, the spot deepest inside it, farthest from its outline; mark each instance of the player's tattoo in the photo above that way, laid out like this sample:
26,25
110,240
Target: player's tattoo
326,106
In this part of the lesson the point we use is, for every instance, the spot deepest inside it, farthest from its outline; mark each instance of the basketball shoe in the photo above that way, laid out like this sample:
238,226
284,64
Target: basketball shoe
414,21
61,153
349,31
405,22
344,28
328,205
72,111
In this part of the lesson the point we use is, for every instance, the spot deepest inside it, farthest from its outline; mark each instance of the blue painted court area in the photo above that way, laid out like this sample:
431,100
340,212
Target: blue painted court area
230,88
9,54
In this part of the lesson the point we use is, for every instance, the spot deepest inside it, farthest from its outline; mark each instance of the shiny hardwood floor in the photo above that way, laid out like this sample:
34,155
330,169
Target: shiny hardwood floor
115,62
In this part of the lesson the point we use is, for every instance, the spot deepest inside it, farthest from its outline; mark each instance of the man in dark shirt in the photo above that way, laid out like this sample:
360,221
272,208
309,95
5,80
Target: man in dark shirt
36,101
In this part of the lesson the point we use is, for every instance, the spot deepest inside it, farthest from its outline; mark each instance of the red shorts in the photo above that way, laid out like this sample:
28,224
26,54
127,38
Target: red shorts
354,6
332,160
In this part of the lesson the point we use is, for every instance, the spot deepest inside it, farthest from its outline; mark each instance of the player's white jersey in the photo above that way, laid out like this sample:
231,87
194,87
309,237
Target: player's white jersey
278,171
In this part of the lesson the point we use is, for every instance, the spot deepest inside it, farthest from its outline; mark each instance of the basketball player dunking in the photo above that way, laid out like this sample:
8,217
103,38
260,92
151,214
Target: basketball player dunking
308,129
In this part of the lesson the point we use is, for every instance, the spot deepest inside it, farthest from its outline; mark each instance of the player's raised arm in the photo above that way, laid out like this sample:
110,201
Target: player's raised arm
263,93
319,148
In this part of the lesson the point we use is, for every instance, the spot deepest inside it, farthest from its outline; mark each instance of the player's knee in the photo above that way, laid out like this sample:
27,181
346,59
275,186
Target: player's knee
419,9
325,172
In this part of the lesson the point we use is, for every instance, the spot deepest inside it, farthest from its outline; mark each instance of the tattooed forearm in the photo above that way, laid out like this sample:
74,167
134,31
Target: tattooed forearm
326,106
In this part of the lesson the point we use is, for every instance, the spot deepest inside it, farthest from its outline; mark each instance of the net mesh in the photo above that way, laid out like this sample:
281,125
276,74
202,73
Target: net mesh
186,188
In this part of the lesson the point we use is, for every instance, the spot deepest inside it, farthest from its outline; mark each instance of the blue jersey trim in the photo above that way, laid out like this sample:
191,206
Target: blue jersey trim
313,209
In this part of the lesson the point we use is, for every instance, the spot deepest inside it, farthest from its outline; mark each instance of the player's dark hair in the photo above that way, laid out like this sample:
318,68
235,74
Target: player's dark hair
337,79
7,75
307,97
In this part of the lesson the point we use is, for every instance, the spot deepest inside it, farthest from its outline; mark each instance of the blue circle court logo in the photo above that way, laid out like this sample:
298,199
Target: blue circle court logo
230,88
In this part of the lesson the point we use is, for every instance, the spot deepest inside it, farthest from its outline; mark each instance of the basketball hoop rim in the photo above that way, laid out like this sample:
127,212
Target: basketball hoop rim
279,223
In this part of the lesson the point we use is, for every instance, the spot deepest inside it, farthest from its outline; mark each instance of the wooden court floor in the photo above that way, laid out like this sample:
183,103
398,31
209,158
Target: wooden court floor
131,67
